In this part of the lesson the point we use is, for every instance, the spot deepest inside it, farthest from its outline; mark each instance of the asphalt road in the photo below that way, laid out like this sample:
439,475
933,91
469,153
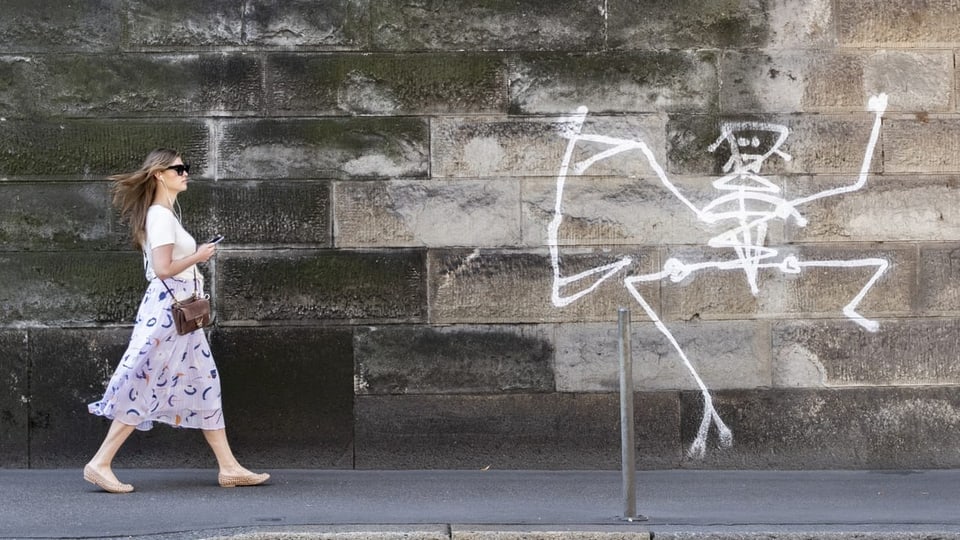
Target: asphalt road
188,503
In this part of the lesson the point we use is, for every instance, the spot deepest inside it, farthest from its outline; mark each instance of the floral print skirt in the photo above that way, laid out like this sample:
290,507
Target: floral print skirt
163,376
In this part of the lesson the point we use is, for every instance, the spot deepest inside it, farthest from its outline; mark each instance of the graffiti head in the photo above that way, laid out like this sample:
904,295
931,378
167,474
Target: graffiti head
750,144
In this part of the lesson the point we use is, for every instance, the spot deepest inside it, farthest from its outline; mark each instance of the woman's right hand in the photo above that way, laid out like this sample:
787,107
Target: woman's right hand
205,251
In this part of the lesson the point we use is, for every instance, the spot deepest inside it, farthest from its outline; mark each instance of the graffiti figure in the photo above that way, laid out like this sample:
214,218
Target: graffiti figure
746,204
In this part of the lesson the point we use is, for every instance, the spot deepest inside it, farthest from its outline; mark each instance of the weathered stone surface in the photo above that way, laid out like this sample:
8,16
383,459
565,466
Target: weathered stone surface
17,92
300,24
261,213
186,24
515,287
93,149
635,82
686,24
887,208
518,431
813,81
816,144
63,287
47,217
387,84
816,291
891,23
53,26
906,352
454,360
851,428
80,85
14,401
733,354
462,24
938,292
288,395
485,147
324,148
808,24
433,213
619,210
316,286
922,144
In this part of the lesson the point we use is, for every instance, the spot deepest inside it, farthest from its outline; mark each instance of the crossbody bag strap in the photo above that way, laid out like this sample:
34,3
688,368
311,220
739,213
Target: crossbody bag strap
196,287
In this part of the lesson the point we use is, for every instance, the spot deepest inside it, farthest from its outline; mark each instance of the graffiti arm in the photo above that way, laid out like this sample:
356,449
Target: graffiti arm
570,128
877,104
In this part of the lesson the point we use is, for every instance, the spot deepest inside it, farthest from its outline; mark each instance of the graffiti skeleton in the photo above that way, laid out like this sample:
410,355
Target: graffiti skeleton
746,198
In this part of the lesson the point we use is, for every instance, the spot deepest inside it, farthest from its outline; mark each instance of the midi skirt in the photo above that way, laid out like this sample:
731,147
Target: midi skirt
163,376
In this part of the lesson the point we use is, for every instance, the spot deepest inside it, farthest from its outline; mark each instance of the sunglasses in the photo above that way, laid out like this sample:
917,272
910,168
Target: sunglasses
180,168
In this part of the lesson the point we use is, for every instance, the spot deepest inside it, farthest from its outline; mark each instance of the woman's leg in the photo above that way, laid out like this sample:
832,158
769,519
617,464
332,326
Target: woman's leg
231,472
99,470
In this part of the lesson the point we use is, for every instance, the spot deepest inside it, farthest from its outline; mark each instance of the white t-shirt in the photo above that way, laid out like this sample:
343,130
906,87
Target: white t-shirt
164,228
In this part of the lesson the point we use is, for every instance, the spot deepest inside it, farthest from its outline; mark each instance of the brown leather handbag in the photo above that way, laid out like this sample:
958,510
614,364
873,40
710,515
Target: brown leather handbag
192,313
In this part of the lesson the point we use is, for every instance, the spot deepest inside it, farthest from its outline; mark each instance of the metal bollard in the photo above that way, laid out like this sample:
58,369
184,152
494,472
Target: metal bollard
628,447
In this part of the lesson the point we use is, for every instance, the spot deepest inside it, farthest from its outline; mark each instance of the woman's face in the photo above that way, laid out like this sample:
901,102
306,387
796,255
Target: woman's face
174,178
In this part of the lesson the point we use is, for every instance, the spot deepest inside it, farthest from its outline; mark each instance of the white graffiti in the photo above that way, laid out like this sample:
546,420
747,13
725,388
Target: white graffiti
746,199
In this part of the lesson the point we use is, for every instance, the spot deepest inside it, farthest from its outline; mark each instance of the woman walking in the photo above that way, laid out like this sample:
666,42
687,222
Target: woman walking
163,376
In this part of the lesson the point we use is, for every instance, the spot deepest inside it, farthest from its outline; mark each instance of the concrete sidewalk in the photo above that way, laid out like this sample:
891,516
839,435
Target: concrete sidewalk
473,505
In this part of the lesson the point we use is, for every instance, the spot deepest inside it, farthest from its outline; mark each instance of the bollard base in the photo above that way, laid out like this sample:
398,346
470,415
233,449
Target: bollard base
637,518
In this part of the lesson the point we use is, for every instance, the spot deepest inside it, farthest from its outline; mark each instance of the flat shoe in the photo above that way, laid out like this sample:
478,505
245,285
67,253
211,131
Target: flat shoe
92,476
251,479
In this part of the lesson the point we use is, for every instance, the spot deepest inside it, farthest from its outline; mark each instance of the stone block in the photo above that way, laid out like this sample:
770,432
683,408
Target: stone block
433,213
464,25
850,428
287,395
811,81
816,144
732,354
938,292
324,148
70,287
252,212
647,81
815,291
189,84
801,25
687,24
905,352
509,147
393,84
93,149
454,360
921,144
299,286
184,24
888,208
59,217
516,287
28,26
621,210
300,24
18,95
891,23
514,431
15,401
70,368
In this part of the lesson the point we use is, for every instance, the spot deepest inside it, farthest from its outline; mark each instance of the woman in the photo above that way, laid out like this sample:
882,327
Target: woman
163,376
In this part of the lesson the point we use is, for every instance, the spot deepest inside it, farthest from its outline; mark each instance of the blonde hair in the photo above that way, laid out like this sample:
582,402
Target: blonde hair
133,192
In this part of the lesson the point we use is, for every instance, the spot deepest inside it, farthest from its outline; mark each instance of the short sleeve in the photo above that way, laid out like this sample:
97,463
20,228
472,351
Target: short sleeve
161,227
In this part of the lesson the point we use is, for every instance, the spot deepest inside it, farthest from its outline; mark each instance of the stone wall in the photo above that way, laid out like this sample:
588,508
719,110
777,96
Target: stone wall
385,173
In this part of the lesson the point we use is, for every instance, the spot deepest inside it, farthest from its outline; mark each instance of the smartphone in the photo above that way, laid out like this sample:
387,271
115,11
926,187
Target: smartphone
216,239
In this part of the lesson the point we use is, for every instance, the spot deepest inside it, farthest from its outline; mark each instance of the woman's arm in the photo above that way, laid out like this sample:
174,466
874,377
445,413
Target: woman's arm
164,265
